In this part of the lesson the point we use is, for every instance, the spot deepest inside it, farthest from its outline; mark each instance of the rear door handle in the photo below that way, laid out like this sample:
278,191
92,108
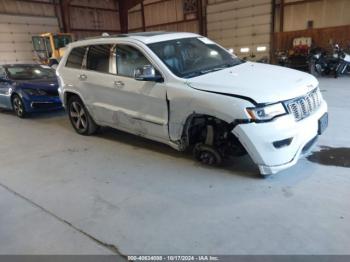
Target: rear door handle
82,77
118,84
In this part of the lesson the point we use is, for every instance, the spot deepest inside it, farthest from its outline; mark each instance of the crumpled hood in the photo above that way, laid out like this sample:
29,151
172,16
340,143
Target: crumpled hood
261,82
47,84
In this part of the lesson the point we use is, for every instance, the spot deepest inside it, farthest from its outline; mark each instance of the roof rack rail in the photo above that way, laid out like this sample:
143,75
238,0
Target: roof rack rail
149,33
105,36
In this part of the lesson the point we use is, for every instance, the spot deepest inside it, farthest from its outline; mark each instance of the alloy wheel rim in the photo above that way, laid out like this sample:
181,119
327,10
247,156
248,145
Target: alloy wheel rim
78,116
18,106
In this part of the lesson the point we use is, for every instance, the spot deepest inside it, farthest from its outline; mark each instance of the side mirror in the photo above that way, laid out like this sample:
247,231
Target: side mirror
147,73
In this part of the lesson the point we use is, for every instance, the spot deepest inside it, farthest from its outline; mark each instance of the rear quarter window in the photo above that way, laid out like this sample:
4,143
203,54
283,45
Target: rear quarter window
76,57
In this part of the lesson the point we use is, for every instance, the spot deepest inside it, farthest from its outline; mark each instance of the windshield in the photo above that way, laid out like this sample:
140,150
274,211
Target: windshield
30,72
41,43
61,40
190,57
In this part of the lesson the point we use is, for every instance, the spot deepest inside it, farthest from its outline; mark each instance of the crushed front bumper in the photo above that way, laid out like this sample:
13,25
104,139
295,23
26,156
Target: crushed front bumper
259,138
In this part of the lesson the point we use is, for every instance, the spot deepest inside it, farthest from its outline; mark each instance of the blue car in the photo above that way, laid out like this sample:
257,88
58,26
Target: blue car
28,88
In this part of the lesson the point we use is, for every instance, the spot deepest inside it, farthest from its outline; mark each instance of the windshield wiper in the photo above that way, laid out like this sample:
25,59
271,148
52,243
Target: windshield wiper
193,74
206,71
215,69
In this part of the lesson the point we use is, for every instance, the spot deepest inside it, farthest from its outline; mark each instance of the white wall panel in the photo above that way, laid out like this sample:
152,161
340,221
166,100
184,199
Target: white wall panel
16,36
240,23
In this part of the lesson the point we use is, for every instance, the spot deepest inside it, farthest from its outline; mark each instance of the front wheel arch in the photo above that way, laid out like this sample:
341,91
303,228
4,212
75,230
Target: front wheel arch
68,95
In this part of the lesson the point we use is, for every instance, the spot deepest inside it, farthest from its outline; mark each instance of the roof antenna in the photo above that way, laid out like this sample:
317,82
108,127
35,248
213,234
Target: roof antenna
105,34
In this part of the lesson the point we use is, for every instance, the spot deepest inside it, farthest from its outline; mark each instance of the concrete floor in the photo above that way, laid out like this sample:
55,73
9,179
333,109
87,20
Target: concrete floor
61,193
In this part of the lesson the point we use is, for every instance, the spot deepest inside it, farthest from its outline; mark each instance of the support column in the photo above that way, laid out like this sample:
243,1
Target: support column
123,16
65,16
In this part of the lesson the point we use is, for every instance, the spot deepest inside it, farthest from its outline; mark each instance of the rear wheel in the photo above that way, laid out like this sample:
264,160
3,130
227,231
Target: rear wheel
18,106
80,118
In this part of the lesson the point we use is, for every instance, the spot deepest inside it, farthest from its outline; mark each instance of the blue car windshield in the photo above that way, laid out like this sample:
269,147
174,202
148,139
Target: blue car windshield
191,57
30,72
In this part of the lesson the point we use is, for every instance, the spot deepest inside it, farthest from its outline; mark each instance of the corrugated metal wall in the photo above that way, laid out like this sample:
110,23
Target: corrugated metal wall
166,15
90,17
244,25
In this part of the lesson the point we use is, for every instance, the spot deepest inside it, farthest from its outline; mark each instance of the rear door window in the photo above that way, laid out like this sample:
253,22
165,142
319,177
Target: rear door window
76,57
98,58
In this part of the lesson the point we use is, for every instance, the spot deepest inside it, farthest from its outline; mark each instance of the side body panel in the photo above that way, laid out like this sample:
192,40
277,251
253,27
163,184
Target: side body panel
124,103
5,95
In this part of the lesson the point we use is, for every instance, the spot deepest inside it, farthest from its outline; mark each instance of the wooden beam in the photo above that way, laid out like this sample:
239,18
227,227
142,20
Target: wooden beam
131,3
65,15
36,2
282,5
123,16
143,17
298,2
165,24
94,8
200,17
94,30
272,36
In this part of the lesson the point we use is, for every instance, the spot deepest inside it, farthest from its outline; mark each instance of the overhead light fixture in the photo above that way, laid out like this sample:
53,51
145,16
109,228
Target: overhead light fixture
261,48
245,50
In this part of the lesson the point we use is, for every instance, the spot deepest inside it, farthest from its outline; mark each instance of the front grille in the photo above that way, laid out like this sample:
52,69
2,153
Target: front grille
304,106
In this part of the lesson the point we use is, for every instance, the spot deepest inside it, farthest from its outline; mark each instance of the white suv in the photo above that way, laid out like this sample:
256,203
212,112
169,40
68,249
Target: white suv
184,90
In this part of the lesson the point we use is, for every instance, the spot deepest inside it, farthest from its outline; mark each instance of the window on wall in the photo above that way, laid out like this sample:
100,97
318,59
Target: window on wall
128,59
98,58
76,57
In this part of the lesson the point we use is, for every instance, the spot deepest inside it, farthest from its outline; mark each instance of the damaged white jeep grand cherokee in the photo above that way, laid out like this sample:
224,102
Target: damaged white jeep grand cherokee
184,90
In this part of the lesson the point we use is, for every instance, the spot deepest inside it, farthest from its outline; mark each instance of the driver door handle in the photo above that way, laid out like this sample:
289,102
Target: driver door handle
118,84
83,77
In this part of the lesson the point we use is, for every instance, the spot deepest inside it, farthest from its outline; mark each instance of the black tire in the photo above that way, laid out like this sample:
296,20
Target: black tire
18,106
207,155
312,68
80,118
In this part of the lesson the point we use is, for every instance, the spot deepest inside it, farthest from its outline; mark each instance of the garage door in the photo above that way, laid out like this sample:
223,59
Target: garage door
244,25
16,36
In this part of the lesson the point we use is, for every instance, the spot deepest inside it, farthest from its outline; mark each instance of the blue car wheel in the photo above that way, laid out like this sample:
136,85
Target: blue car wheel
18,106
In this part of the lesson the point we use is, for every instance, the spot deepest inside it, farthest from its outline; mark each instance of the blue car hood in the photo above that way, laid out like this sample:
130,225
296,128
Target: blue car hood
47,84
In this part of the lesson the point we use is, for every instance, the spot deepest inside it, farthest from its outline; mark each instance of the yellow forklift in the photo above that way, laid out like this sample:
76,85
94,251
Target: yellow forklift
49,47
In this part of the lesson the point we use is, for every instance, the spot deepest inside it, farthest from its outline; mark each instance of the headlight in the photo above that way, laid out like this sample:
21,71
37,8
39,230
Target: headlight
267,112
35,92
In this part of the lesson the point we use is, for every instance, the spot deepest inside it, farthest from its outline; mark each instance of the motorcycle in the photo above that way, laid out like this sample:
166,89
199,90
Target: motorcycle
343,66
322,63
282,58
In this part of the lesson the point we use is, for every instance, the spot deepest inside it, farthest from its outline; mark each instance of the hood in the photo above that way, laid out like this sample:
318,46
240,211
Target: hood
259,82
47,84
